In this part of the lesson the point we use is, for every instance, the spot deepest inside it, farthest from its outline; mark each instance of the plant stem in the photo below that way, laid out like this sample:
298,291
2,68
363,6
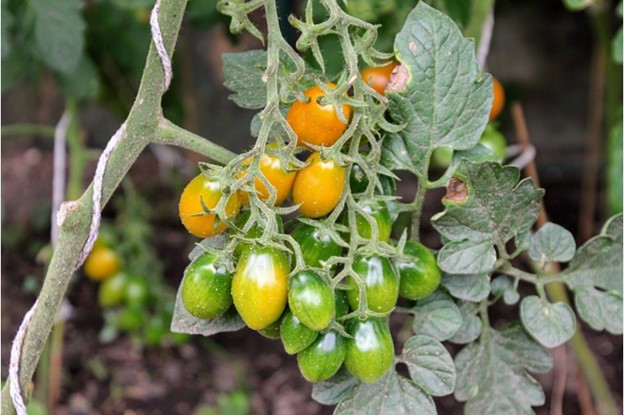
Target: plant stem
141,128
171,134
418,202
78,155
27,129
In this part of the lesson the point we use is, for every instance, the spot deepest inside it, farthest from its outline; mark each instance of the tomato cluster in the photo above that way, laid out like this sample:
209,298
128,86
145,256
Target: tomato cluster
329,305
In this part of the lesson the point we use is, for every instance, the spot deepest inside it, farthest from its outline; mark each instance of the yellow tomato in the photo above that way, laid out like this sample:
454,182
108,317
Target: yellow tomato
102,263
318,186
280,179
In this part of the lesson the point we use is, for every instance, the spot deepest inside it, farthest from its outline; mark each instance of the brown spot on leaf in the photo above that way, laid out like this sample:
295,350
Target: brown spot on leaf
456,190
398,79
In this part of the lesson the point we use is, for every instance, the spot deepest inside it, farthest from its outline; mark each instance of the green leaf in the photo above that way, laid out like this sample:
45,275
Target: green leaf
429,364
598,262
501,284
552,243
576,5
336,389
84,83
495,208
492,373
614,168
601,310
14,68
243,75
5,23
616,48
392,394
471,327
437,316
59,33
469,287
446,101
550,324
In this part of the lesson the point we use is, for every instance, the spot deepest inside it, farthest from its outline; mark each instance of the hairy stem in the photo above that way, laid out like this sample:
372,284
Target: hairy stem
141,128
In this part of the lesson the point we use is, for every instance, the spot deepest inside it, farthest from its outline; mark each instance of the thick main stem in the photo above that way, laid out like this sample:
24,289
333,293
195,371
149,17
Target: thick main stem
142,127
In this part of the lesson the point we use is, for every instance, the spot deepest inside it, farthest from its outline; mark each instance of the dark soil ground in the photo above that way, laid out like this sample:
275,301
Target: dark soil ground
119,378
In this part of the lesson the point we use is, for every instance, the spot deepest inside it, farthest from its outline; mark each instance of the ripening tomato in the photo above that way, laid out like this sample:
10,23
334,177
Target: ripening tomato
314,123
295,336
380,281
281,180
311,299
102,263
112,290
381,215
499,99
318,186
418,271
378,77
259,286
322,359
370,352
203,191
206,288
315,244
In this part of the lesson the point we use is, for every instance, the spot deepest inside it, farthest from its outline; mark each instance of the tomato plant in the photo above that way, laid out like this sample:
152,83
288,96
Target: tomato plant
315,122
318,186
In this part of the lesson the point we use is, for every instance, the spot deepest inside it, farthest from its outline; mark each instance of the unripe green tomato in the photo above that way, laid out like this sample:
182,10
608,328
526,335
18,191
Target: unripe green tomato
112,290
494,140
272,331
154,331
322,359
342,304
316,246
418,271
311,300
130,318
180,338
380,282
295,336
441,157
358,182
370,352
206,288
380,213
137,292
259,286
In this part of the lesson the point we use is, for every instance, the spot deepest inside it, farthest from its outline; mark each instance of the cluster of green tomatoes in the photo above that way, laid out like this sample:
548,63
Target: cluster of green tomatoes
326,323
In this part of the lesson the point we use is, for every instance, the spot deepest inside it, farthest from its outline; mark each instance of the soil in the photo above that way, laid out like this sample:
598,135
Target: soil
121,378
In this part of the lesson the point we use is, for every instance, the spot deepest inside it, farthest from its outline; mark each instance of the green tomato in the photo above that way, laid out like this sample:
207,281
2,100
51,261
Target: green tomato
380,282
295,336
381,215
260,287
370,351
322,359
180,338
342,304
206,288
418,271
154,331
441,157
112,290
495,141
311,300
315,244
130,318
272,331
137,292
358,182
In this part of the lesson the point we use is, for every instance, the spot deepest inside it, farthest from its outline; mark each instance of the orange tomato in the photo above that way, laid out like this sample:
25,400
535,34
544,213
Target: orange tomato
499,99
102,263
314,123
318,186
281,180
194,218
378,77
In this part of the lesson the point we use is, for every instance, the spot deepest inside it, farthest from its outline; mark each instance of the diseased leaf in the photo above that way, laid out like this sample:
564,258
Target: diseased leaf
470,287
430,365
601,310
336,389
471,327
495,209
392,394
437,316
492,373
552,243
446,101
550,324
598,262
59,33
